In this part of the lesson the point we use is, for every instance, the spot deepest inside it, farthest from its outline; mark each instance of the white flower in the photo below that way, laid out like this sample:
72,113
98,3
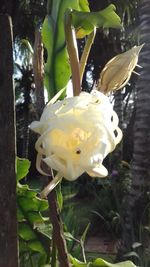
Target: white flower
76,134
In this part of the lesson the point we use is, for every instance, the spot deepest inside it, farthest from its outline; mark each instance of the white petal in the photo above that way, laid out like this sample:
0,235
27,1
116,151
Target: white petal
100,171
35,126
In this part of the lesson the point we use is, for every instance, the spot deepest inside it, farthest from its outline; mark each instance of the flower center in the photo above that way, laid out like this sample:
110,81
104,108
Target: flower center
67,144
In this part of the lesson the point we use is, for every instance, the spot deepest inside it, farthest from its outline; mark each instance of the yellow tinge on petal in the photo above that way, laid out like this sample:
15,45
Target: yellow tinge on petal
118,70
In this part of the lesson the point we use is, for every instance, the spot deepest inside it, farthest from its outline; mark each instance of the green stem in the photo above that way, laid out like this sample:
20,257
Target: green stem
83,251
72,51
86,52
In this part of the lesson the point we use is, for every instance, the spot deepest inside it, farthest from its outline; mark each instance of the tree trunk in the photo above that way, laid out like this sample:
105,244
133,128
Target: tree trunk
134,210
8,219
141,153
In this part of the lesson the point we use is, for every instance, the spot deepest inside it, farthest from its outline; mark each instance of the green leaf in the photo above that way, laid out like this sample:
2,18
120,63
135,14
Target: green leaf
103,263
43,204
22,246
68,236
47,36
35,245
28,204
32,204
45,229
77,263
85,233
20,215
85,22
59,196
84,5
24,190
59,19
62,69
23,166
35,217
26,232
109,18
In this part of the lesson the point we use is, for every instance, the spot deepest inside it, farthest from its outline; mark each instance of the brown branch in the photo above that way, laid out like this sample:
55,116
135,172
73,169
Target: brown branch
58,230
38,70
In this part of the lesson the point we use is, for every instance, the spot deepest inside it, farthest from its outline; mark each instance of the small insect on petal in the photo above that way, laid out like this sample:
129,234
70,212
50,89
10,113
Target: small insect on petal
117,72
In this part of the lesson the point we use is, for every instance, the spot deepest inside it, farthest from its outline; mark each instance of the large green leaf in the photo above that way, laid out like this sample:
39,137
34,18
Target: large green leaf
102,263
57,67
23,166
60,34
85,22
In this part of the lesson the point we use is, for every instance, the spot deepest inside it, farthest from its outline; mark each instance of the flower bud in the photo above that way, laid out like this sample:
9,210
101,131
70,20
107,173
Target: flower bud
118,70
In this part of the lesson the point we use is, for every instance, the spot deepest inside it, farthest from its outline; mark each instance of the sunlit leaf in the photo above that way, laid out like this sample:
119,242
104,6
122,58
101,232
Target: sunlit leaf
85,22
77,263
84,5
102,263
62,69
47,37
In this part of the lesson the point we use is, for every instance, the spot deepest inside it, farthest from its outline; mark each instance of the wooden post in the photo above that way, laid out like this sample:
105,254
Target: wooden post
8,218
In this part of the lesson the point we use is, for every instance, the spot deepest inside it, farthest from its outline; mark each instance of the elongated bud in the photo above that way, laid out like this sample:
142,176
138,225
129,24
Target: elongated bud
118,70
